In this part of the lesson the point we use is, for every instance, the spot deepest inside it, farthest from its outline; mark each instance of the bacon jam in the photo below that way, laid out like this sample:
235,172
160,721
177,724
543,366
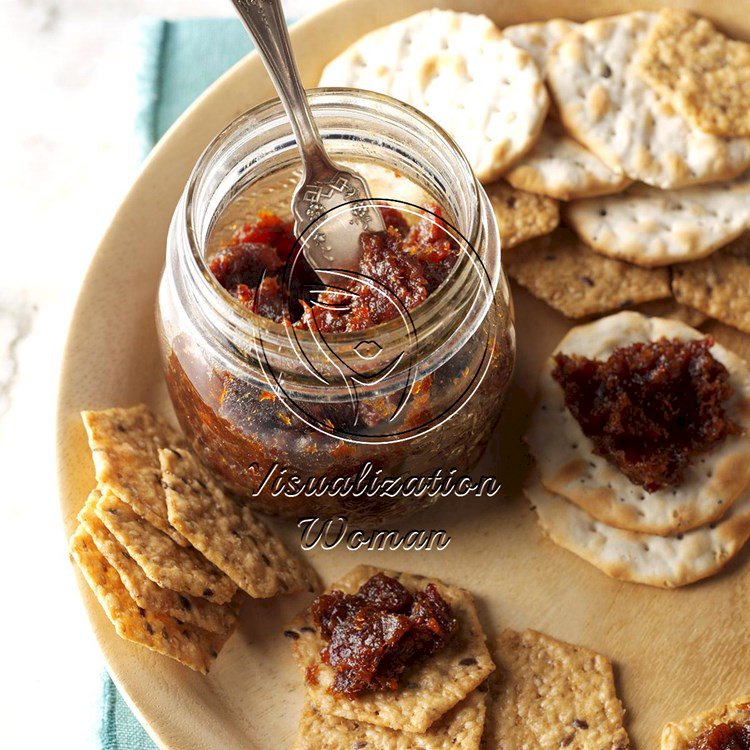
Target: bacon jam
410,262
731,736
651,407
373,636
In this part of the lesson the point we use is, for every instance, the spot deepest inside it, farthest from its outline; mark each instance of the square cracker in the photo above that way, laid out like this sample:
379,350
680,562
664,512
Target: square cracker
566,274
460,729
125,446
520,215
193,647
679,735
719,285
148,595
548,694
228,533
428,690
704,74
182,569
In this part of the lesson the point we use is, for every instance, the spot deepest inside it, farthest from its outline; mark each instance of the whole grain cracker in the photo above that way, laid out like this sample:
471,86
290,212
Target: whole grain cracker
191,646
125,444
657,227
665,562
679,735
458,69
703,74
560,167
561,270
569,467
148,595
460,729
672,309
719,285
229,534
181,569
429,689
548,694
520,215
606,106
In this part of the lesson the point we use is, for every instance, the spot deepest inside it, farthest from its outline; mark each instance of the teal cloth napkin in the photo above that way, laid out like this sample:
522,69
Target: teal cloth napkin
179,60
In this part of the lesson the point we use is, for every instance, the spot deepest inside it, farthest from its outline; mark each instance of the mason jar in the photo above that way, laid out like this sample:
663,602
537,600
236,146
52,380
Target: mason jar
262,402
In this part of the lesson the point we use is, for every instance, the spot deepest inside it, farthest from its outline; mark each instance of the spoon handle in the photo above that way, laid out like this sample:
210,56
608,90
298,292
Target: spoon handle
264,21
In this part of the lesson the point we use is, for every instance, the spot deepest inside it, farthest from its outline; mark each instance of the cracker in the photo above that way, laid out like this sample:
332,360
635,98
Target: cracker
459,70
539,38
181,569
569,467
521,216
548,694
124,444
229,534
460,729
719,285
703,74
627,124
678,735
666,562
148,595
672,309
193,647
655,227
560,167
572,278
428,690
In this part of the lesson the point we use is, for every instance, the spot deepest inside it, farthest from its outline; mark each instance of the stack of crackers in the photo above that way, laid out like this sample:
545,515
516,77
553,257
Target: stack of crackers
670,537
543,694
167,553
637,123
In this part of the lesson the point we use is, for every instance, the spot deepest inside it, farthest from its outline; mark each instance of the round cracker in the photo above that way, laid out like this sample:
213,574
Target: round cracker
605,105
679,735
539,38
458,69
652,227
569,467
666,562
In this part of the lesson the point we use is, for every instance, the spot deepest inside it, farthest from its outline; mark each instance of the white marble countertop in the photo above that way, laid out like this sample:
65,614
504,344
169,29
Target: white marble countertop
68,158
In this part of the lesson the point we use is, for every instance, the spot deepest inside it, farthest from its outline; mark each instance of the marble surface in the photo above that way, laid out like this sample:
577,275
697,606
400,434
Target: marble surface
69,156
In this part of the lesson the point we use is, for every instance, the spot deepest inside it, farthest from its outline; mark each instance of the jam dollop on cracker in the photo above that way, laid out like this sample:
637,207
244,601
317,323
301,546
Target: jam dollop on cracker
374,635
730,736
650,407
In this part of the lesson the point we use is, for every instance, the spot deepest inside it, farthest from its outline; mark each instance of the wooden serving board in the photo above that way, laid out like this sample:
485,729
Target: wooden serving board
675,652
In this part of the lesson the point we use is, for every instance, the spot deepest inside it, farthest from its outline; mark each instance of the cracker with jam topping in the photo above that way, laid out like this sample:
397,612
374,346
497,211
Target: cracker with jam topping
459,729
548,694
724,727
426,691
706,486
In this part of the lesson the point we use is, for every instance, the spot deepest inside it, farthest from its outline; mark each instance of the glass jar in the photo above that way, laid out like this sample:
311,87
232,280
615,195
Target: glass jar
243,388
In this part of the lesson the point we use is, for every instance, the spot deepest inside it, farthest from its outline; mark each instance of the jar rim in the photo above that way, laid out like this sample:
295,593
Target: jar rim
239,318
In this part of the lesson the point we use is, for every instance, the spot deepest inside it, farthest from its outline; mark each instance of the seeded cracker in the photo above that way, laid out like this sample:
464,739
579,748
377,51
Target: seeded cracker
521,216
193,647
569,467
427,691
605,105
181,569
460,729
548,695
672,309
679,735
459,70
572,278
718,285
148,595
228,533
657,227
705,75
663,561
125,444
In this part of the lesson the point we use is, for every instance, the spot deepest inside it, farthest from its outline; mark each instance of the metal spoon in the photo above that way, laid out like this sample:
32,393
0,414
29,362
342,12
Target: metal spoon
324,185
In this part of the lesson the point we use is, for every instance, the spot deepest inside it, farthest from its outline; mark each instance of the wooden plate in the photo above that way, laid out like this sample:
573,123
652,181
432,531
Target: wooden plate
676,652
